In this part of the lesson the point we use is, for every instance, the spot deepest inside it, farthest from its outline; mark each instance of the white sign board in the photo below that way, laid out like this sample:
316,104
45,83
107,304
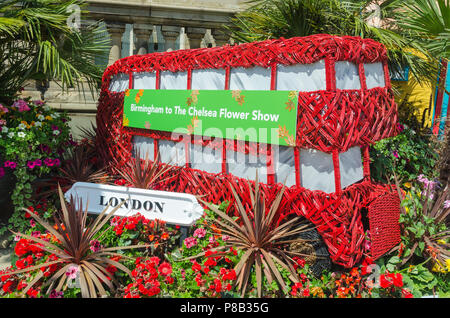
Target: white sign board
172,207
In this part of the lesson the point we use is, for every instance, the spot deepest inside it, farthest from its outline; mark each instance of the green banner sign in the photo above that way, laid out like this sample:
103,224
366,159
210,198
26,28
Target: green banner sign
256,116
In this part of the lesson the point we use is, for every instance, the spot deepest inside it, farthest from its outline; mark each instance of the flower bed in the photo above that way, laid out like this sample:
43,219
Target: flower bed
141,258
33,140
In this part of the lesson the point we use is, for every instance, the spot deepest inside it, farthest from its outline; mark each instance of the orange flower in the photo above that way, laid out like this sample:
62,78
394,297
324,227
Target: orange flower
151,237
165,236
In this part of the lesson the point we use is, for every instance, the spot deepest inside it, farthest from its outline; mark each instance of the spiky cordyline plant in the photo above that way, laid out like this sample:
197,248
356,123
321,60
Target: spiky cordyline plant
74,236
261,239
144,174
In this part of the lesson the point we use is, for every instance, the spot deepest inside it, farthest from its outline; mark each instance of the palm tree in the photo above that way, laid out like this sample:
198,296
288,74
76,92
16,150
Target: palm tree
37,43
266,19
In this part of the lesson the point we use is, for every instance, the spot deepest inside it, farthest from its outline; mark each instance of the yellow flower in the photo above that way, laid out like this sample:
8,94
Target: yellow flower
440,241
447,263
48,117
26,124
407,185
439,267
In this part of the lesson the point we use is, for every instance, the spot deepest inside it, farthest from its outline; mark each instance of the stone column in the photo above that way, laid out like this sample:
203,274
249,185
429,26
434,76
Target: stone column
143,38
195,37
116,33
170,34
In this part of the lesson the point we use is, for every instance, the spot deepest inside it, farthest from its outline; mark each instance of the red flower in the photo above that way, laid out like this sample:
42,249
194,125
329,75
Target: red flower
397,279
111,268
165,269
196,267
306,292
169,280
385,281
7,287
406,294
217,285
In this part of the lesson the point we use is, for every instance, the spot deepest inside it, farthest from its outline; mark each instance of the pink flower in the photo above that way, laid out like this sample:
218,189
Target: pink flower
200,232
21,105
3,109
225,238
72,272
95,246
212,239
190,242
395,153
446,204
2,121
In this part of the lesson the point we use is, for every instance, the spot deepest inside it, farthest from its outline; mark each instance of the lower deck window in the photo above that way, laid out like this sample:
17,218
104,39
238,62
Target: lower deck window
316,168
205,158
144,146
284,165
245,165
350,166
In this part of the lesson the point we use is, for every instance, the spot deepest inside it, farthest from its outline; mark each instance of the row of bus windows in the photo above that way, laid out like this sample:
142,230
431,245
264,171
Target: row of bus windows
299,77
316,167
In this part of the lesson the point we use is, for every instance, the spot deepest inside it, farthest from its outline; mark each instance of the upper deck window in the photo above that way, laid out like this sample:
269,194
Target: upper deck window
119,83
208,79
302,77
173,80
254,78
374,75
347,75
144,80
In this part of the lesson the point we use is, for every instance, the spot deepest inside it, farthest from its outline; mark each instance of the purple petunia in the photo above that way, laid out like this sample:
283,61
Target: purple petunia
10,164
52,162
36,163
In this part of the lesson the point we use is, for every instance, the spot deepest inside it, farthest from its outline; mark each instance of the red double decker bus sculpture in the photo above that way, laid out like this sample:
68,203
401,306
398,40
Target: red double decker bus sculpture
345,104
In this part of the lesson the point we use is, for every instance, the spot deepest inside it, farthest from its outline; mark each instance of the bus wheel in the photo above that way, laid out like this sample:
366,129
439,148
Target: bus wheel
310,243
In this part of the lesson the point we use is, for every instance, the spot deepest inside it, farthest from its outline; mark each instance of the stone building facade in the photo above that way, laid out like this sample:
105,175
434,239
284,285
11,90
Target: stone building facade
152,26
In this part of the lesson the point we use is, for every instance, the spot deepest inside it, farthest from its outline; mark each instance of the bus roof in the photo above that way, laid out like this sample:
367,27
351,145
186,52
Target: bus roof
297,50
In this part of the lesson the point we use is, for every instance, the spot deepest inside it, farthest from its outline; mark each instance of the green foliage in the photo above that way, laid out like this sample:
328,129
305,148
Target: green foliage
38,43
408,155
269,19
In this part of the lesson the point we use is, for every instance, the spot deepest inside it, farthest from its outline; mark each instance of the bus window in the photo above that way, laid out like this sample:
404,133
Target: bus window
350,166
245,165
253,78
205,158
172,152
119,83
171,80
144,145
208,79
301,77
284,160
374,75
144,80
316,170
347,75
